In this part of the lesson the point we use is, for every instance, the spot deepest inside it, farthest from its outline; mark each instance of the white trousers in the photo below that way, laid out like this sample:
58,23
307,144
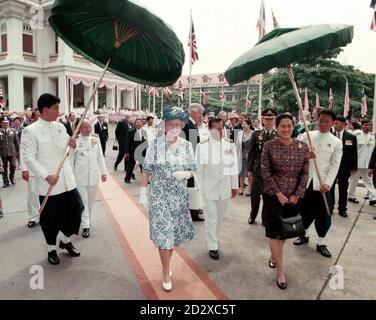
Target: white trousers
214,211
368,183
33,204
88,195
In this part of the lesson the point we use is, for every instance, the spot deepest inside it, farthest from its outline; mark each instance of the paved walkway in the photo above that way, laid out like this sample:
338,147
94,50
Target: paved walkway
119,261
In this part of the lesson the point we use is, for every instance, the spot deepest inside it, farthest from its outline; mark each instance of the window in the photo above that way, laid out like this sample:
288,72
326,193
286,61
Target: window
221,78
4,39
228,97
205,79
56,44
27,39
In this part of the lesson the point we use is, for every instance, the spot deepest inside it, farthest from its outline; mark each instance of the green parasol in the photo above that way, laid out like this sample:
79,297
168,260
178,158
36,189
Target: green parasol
283,46
119,36
142,48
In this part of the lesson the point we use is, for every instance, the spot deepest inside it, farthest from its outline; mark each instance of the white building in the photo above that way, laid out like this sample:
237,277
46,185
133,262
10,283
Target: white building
33,61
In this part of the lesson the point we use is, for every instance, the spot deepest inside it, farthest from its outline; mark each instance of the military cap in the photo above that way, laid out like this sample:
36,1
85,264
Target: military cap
4,120
269,114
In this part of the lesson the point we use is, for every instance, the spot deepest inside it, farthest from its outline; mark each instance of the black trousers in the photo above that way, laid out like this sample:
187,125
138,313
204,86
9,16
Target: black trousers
130,167
257,190
61,213
343,186
11,163
103,145
313,209
121,156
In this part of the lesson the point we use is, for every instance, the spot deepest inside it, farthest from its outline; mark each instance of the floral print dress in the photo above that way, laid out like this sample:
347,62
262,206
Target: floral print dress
170,221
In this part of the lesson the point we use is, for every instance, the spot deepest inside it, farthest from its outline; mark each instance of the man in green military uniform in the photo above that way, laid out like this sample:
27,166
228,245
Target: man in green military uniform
254,158
9,149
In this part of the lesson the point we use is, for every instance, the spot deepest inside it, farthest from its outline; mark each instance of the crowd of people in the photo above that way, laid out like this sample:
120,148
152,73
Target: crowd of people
191,166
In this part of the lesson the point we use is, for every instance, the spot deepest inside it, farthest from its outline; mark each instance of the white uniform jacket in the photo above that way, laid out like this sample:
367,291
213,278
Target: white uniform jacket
43,147
88,161
217,172
366,144
328,149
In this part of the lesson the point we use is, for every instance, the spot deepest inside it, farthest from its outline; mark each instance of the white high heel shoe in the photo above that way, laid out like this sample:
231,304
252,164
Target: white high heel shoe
167,286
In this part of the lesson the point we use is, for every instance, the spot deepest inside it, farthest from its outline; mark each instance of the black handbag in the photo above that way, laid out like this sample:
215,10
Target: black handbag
292,227
115,147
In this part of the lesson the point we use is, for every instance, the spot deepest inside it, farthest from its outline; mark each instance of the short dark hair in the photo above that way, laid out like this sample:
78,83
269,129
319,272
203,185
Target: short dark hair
249,122
365,121
214,120
284,116
149,118
356,125
138,119
341,119
327,112
47,100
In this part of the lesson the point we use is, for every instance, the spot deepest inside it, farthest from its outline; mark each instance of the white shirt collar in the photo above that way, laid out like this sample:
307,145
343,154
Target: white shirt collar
194,122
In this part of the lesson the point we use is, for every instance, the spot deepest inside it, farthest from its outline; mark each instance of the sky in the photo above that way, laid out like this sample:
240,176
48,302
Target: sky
225,29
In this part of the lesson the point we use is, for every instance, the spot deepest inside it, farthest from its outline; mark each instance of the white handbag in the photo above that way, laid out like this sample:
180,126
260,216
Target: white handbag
195,199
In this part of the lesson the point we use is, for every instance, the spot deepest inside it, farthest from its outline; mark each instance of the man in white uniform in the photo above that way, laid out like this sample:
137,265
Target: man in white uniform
44,146
217,175
328,154
88,164
366,144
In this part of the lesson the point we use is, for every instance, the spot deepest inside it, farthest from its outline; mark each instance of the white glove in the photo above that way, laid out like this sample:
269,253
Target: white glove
182,175
143,199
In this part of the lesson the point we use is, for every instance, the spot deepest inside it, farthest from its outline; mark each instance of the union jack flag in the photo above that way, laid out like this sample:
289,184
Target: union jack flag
167,91
181,90
154,91
193,43
261,22
203,96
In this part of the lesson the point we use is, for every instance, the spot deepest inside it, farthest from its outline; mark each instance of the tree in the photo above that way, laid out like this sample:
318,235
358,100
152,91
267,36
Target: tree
319,74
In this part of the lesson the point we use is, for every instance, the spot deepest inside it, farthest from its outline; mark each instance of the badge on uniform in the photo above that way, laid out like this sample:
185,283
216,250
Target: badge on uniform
348,143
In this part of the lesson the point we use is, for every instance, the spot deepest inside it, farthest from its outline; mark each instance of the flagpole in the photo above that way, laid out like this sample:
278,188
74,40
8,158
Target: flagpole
260,98
140,97
149,101
154,103
162,102
190,61
200,95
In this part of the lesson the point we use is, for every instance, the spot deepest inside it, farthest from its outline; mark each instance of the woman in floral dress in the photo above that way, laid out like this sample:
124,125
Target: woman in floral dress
169,162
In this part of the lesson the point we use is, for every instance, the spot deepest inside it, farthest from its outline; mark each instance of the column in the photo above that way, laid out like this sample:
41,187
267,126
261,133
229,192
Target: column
38,90
110,99
63,93
16,91
128,97
87,94
119,95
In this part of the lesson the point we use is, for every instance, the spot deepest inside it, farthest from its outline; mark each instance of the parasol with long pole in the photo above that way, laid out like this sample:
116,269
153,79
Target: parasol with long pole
121,37
284,46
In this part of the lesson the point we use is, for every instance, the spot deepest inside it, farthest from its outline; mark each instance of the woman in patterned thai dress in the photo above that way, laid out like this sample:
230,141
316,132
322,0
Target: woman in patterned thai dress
169,163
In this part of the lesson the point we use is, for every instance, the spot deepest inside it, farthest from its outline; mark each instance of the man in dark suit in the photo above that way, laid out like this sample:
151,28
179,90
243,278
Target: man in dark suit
101,129
259,138
135,138
348,167
190,130
121,132
372,168
71,123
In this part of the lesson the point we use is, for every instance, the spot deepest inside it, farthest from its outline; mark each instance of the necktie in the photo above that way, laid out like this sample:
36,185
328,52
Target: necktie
268,135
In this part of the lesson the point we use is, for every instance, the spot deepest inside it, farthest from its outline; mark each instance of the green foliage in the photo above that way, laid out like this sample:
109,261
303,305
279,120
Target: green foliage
319,74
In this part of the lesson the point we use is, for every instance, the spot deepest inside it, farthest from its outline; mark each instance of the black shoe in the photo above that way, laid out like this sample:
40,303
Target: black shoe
241,194
343,214
115,168
199,211
53,258
374,218
251,220
12,181
353,200
73,252
214,254
86,233
324,251
6,185
372,203
272,265
282,286
1,214
133,177
366,198
196,218
31,224
127,181
301,240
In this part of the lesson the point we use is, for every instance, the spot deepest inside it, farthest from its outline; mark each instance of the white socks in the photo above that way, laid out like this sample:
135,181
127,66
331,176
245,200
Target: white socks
51,248
320,241
65,239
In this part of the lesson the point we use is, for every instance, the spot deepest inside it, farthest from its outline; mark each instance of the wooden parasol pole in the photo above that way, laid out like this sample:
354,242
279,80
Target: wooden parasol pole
75,134
299,100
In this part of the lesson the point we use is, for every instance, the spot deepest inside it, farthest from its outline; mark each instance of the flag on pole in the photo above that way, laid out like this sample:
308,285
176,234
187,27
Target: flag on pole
193,43
347,101
167,91
222,96
203,96
181,90
373,23
2,102
306,101
317,101
154,92
247,100
261,22
331,99
271,99
275,21
364,105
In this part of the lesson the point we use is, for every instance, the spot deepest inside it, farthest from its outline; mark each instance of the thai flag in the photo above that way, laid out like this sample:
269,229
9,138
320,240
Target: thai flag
181,90
203,96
